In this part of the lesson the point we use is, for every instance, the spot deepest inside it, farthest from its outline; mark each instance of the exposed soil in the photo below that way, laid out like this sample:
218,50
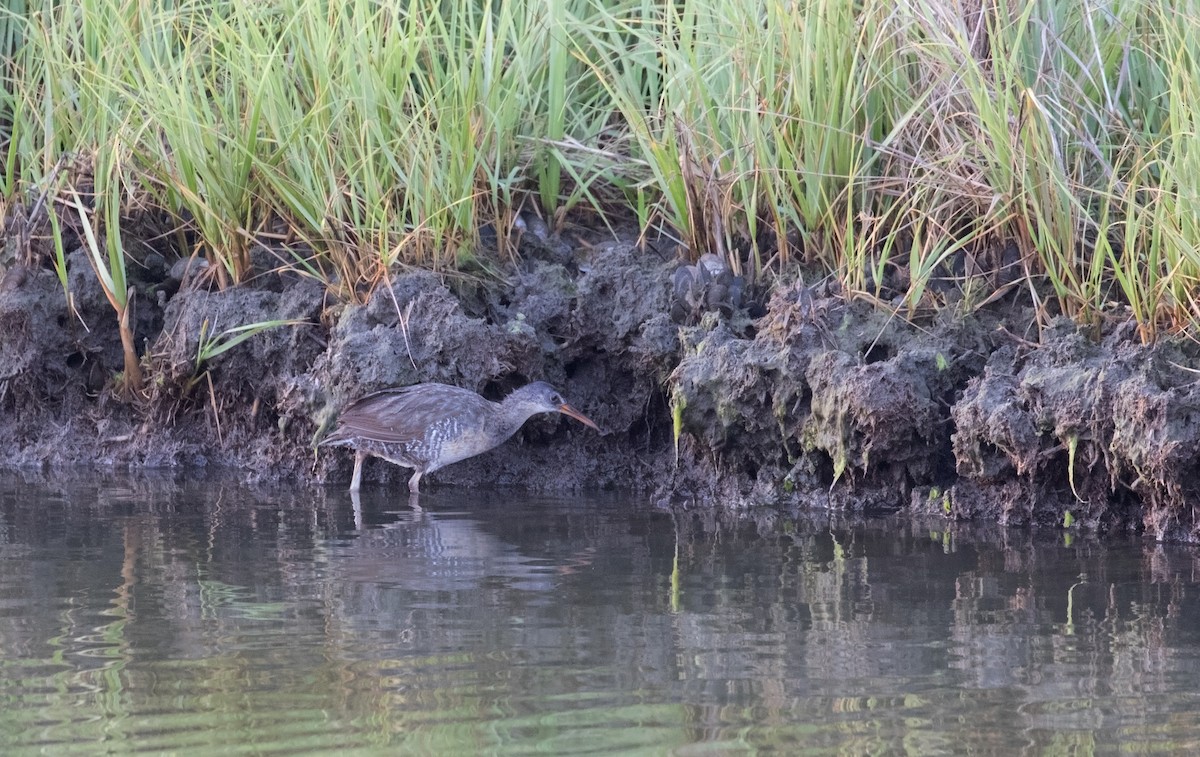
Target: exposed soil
795,398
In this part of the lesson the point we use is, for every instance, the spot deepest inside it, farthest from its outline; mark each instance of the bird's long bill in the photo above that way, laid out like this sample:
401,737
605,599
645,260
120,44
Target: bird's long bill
566,409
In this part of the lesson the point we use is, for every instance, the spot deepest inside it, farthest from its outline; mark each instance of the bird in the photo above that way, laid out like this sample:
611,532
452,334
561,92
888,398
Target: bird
429,426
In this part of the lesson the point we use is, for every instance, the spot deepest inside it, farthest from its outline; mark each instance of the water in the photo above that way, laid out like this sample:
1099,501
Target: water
203,618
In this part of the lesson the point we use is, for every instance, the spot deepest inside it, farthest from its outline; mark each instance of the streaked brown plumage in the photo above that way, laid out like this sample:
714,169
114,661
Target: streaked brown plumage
430,426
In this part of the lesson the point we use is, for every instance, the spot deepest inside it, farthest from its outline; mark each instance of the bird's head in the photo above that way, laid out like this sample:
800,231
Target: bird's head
540,397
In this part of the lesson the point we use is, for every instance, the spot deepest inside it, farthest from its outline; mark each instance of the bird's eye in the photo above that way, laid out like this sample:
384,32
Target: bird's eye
556,400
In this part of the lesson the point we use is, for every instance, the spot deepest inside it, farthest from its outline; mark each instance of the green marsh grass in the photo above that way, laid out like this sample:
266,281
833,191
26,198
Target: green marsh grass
855,137
101,231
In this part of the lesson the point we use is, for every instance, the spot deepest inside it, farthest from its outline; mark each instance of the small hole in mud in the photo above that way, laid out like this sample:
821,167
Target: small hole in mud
570,369
877,353
496,392
76,360
61,321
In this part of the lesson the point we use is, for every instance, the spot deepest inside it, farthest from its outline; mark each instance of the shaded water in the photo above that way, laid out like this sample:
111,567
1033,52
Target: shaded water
201,617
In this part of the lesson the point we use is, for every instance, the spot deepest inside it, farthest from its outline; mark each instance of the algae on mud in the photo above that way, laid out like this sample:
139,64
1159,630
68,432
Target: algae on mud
804,400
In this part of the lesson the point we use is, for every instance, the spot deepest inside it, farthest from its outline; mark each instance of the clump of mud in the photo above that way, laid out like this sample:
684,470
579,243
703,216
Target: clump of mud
823,403
58,368
1104,434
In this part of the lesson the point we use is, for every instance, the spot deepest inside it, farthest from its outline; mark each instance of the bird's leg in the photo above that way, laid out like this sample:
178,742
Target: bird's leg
414,483
356,504
356,479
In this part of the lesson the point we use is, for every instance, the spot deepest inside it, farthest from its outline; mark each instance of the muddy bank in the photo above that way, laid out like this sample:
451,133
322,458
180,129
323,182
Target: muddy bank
834,404
711,393
594,323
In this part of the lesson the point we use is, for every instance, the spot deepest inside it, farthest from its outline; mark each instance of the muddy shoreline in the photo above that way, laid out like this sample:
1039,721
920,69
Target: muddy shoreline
788,396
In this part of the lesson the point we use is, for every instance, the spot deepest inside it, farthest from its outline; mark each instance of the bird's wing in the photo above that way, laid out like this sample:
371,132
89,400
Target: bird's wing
399,416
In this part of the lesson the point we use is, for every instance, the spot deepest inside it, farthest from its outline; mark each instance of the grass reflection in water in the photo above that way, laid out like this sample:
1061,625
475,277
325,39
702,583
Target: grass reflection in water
195,618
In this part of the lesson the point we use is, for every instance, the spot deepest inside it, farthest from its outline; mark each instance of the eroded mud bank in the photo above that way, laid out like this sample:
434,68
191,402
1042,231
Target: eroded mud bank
793,397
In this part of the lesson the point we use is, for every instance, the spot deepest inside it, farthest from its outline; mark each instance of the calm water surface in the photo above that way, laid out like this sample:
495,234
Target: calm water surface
204,618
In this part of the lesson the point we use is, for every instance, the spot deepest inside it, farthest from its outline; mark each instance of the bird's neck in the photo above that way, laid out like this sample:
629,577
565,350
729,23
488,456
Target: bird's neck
512,416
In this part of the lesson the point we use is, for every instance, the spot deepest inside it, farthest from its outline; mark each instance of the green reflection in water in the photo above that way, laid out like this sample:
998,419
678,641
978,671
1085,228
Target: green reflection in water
212,619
